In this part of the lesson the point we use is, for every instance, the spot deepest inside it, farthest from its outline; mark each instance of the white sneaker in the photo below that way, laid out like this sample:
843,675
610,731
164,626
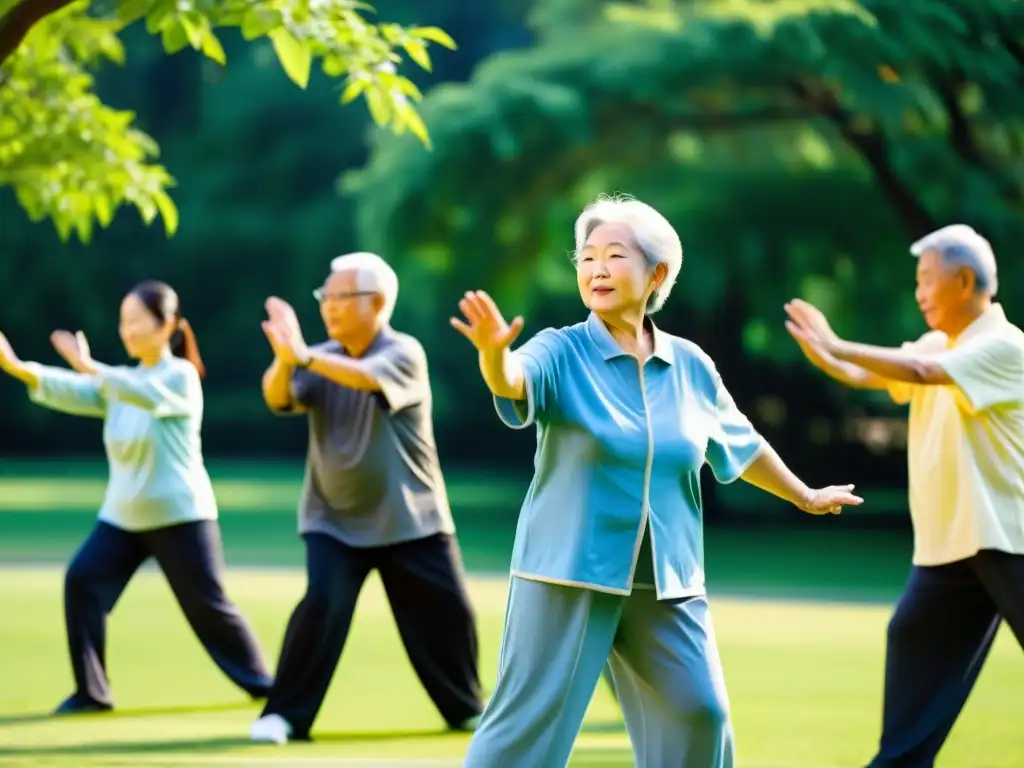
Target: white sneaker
271,729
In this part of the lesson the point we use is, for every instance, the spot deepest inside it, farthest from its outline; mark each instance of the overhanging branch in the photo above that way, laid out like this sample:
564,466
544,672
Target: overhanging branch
18,22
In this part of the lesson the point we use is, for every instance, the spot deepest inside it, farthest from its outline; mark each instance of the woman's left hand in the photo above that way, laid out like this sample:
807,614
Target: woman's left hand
73,347
830,500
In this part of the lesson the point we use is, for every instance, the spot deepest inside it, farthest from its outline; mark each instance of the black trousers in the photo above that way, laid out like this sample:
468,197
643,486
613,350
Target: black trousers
938,640
191,558
425,586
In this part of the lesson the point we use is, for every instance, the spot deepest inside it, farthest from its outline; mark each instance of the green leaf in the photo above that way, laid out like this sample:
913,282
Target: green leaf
159,14
168,211
417,52
174,37
213,49
435,35
294,55
380,107
259,21
131,11
104,214
83,226
193,31
353,90
410,118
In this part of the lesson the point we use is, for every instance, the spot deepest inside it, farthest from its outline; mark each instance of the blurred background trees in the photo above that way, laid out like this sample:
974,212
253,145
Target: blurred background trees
799,147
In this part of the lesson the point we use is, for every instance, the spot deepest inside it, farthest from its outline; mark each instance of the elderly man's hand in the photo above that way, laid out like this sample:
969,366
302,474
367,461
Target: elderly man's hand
280,313
809,327
487,329
288,346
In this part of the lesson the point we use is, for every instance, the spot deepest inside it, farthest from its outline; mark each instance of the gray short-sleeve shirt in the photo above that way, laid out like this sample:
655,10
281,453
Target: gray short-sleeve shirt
373,476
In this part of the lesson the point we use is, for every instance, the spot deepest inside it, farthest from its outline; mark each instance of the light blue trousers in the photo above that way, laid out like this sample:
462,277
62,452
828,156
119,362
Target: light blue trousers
664,662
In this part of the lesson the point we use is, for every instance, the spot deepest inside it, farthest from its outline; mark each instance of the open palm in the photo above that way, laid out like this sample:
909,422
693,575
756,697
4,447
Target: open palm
485,326
831,500
73,347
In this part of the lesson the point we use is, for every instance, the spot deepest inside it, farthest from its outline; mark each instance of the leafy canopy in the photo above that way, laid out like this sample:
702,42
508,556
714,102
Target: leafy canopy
797,146
75,160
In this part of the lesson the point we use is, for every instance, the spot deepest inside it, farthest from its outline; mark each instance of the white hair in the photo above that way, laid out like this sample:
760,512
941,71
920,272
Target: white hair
655,236
961,246
372,274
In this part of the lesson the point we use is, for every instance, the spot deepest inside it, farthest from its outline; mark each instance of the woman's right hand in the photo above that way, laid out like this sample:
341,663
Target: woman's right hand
486,328
9,362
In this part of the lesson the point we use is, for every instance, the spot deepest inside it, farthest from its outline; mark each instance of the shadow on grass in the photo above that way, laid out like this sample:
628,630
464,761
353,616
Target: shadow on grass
221,743
126,747
41,717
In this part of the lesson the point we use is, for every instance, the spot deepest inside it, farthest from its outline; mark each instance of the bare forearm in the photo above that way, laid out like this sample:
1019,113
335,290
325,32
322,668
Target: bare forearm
884,362
277,385
22,373
342,370
849,374
503,374
770,473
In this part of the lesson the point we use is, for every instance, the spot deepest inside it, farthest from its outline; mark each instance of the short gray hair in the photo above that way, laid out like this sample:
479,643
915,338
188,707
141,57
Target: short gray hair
656,237
961,246
372,274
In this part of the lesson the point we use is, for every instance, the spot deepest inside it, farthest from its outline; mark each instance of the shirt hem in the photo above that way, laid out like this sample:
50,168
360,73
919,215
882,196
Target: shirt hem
385,542
624,592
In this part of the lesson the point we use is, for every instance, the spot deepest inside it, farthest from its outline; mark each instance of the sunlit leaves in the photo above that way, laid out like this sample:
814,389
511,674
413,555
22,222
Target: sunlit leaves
780,137
296,57
76,161
67,156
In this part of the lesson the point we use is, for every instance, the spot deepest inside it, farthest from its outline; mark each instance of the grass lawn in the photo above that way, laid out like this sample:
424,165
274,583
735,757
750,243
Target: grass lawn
804,679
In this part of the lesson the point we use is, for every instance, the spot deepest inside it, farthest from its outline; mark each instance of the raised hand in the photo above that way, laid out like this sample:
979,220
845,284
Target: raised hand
8,360
288,347
831,500
281,313
486,328
73,347
808,325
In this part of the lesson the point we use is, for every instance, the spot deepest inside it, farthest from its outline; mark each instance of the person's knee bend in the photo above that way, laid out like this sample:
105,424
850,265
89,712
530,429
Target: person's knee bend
706,713
78,578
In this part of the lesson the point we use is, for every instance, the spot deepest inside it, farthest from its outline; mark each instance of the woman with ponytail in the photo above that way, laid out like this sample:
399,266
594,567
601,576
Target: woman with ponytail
159,501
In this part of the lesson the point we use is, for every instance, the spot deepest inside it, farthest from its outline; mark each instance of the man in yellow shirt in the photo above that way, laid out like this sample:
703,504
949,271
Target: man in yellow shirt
964,381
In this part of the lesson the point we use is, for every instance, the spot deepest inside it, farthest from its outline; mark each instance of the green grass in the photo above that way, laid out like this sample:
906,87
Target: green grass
804,680
804,675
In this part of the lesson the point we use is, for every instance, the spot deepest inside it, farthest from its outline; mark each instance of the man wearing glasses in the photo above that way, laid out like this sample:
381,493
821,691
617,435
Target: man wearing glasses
373,498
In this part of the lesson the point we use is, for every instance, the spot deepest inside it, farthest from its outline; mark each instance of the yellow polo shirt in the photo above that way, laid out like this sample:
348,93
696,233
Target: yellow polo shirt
965,449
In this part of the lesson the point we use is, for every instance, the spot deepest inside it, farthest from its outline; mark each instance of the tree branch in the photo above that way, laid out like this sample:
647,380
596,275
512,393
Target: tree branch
17,22
873,147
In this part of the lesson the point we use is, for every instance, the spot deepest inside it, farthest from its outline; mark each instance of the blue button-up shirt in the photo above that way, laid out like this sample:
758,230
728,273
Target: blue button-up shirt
620,447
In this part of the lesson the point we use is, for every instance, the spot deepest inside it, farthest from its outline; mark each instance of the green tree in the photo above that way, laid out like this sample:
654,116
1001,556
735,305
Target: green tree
75,160
798,146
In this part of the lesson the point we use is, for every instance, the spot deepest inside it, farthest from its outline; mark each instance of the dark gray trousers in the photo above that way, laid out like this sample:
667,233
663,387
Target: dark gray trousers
938,640
425,586
191,557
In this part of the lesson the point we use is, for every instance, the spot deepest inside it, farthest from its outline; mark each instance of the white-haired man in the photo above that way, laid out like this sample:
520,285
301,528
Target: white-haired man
373,498
964,381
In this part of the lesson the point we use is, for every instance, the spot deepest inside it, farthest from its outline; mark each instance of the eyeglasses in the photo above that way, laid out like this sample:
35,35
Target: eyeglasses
322,296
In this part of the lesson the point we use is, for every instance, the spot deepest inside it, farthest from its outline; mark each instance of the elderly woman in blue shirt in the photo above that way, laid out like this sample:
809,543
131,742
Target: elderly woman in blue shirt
159,501
608,565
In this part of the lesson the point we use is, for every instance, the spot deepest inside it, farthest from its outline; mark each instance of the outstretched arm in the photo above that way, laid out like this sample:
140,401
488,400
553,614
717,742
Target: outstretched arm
889,363
770,473
844,372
